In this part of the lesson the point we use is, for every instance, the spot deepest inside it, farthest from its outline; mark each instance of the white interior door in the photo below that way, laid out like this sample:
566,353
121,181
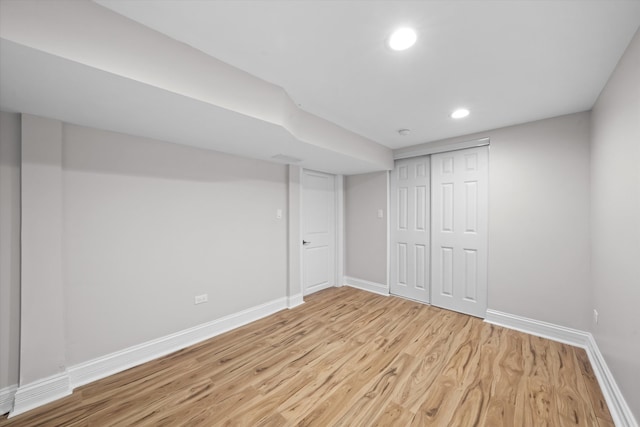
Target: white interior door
459,201
318,231
410,195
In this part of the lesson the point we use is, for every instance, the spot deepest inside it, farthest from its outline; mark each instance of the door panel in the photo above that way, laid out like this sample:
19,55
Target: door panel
459,230
318,231
410,206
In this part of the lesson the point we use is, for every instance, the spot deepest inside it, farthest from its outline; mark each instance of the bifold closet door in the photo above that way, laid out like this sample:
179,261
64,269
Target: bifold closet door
409,206
459,222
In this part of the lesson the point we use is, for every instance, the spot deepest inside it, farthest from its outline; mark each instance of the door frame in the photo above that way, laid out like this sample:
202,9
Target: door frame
435,148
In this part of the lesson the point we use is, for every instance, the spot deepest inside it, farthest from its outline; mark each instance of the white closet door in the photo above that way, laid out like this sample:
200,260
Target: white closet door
410,197
459,201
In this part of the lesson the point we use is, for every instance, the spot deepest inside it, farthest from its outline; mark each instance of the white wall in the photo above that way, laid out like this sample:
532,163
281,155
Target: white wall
539,219
365,233
149,225
615,225
9,248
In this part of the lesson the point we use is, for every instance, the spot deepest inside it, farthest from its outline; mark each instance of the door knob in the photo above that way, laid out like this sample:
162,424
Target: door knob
304,242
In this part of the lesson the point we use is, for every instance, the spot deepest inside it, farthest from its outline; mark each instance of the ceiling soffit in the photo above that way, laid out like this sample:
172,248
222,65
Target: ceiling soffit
122,47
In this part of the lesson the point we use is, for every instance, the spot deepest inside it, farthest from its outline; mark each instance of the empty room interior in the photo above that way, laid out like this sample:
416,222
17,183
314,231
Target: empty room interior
319,213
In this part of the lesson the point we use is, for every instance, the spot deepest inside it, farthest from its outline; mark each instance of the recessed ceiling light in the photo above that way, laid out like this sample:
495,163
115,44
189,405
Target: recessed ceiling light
402,38
460,113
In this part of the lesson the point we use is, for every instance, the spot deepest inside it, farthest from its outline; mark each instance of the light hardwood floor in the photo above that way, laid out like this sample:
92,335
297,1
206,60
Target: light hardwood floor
348,358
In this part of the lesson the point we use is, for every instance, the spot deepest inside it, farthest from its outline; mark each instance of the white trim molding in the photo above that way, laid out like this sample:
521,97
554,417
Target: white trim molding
366,285
295,300
110,364
618,407
540,329
30,396
437,147
7,395
41,392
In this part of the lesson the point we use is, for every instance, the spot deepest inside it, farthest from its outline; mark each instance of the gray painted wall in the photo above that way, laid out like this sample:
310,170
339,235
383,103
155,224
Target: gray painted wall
294,255
615,224
9,248
539,219
119,233
149,225
42,293
365,233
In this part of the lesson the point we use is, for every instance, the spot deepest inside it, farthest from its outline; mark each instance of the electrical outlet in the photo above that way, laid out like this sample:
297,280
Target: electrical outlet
201,298
595,316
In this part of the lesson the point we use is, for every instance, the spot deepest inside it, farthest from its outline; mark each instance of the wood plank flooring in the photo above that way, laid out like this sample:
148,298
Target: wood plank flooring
347,358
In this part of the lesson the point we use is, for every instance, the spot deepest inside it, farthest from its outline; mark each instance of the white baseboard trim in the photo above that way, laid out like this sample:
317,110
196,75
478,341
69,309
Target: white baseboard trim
618,407
24,398
620,410
110,364
295,300
538,328
41,392
7,395
365,285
